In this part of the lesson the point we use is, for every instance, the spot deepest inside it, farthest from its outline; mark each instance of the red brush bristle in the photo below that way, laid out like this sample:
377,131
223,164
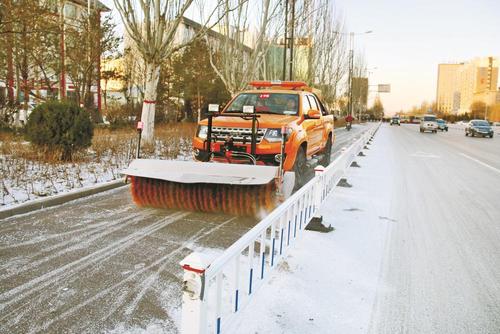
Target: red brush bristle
205,197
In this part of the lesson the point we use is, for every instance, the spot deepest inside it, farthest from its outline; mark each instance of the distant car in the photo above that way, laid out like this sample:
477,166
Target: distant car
479,127
395,121
429,123
442,125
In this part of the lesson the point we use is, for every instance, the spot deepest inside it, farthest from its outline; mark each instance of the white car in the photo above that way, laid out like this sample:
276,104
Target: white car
429,123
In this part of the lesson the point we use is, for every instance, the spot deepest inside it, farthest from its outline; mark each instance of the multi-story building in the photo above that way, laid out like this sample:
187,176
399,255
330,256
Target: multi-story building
132,64
460,85
448,88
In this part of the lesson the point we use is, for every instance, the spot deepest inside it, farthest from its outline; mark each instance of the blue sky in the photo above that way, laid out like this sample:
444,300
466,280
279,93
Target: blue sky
410,38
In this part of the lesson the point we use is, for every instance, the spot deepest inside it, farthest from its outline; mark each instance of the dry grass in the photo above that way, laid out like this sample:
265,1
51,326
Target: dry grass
27,172
170,141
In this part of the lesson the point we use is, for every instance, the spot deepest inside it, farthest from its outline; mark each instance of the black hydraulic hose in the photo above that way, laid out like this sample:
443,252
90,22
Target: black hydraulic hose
209,133
254,135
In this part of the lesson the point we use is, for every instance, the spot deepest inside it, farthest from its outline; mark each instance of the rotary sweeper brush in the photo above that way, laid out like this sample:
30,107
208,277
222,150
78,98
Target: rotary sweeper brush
240,187
208,187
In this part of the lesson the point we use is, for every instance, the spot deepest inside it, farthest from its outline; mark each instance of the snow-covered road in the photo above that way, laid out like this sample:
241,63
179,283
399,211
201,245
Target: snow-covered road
441,271
101,264
416,247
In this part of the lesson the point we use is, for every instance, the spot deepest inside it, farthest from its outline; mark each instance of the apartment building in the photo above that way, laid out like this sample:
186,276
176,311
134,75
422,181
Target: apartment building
448,88
185,32
461,84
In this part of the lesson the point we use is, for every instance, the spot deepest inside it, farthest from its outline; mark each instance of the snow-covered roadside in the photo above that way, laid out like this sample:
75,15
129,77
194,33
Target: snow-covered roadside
23,181
328,282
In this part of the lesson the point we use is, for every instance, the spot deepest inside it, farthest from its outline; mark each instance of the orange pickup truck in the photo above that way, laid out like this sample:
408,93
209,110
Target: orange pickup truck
275,123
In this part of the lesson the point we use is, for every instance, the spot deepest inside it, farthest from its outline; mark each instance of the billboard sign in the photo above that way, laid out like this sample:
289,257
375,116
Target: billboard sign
384,88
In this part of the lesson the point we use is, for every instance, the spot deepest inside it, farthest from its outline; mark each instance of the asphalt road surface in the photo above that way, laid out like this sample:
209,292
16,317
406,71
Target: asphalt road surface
101,264
441,269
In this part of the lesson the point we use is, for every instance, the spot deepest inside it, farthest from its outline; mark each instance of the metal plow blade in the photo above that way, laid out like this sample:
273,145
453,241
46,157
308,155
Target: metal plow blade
208,187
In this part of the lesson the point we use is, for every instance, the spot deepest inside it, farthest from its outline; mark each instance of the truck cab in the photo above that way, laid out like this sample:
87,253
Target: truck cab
292,128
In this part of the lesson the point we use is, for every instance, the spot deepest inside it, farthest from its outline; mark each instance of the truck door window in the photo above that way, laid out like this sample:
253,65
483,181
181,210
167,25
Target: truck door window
322,108
314,103
305,104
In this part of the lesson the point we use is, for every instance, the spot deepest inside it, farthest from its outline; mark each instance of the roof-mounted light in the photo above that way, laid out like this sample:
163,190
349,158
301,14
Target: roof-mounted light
279,84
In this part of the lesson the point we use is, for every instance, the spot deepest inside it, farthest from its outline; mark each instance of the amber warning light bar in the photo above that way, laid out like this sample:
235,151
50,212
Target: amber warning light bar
283,84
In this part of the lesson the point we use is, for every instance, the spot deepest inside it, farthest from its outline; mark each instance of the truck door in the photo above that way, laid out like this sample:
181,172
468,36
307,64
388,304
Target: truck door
308,125
318,128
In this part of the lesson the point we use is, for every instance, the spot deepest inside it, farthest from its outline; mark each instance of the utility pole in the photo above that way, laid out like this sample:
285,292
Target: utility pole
99,90
292,23
351,64
62,80
285,40
10,56
308,5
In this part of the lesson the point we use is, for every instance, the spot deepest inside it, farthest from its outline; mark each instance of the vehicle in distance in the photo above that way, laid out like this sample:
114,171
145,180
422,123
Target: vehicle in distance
395,121
479,127
429,123
442,125
290,106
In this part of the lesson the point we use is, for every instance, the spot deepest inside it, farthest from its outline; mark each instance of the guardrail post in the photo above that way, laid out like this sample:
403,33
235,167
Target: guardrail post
194,306
318,173
315,200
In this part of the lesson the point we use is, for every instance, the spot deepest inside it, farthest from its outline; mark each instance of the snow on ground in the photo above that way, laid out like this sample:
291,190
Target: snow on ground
328,282
23,180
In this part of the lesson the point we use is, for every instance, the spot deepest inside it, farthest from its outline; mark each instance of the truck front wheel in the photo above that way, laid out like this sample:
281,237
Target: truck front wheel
203,156
300,169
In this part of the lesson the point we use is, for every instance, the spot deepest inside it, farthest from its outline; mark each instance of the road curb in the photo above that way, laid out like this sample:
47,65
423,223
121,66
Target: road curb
58,199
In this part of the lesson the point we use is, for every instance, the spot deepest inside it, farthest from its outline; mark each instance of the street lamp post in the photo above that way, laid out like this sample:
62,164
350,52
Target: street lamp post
351,64
368,71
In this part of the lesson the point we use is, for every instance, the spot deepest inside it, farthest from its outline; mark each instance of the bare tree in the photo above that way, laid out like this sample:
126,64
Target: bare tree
321,48
241,47
152,25
359,85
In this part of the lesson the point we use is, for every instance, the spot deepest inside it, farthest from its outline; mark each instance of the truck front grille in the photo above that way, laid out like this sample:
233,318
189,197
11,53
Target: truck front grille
239,135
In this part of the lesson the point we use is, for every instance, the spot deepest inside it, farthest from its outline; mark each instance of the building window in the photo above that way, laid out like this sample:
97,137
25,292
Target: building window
70,11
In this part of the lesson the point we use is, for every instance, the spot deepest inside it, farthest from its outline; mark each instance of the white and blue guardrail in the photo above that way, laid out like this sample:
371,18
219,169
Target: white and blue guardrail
214,292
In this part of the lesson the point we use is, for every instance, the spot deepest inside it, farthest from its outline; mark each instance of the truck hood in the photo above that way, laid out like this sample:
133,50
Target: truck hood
264,121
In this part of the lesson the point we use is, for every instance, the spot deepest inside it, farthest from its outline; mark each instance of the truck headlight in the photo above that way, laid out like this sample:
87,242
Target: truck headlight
274,135
202,132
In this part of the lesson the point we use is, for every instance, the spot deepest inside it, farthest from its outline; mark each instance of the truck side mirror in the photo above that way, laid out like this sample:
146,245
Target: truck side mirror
313,114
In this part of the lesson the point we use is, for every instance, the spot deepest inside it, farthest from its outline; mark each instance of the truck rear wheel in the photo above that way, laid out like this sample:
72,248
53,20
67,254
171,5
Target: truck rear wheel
327,154
300,169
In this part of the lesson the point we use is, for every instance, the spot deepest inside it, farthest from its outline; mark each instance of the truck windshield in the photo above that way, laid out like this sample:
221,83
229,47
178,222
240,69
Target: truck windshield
266,103
429,118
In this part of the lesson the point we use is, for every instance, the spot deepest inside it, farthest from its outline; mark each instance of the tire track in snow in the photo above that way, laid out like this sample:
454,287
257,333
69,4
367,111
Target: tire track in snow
78,242
88,226
146,284
20,292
